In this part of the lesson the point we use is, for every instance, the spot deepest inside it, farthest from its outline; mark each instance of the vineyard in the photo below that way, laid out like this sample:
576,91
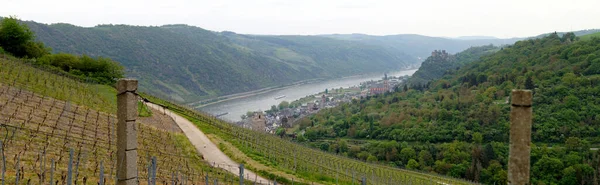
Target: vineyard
310,164
58,130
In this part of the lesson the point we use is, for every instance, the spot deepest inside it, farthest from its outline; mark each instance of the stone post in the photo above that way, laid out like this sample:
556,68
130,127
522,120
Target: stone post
520,137
127,132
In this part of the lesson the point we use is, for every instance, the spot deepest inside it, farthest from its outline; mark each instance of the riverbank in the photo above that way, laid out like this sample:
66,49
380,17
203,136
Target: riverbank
263,100
230,97
250,93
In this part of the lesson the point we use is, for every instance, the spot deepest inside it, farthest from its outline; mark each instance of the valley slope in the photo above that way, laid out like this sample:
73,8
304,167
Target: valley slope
458,123
188,63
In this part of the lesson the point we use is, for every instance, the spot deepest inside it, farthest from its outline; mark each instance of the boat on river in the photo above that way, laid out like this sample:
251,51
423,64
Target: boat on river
279,97
222,114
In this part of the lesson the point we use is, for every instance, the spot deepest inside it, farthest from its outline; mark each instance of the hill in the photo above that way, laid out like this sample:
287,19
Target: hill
188,63
475,38
419,46
441,63
458,125
46,116
589,36
281,155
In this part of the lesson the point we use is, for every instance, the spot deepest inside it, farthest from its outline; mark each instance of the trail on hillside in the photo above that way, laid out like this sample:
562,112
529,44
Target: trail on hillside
209,150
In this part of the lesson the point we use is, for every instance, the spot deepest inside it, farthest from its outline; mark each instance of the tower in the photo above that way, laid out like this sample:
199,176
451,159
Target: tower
386,85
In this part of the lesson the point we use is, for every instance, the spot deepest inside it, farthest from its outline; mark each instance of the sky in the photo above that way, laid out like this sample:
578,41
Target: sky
445,18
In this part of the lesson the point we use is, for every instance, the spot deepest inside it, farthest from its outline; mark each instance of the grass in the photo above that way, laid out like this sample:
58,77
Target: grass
267,171
45,114
589,36
143,110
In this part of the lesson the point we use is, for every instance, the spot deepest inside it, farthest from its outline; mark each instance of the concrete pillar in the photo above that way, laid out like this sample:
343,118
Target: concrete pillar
127,132
520,137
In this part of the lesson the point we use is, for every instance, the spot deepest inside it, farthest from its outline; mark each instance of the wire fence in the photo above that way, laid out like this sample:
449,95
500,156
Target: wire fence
45,141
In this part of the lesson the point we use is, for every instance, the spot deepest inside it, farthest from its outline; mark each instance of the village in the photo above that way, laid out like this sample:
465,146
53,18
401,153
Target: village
286,113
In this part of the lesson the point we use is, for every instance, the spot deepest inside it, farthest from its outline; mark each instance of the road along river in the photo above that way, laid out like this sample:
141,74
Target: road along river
263,101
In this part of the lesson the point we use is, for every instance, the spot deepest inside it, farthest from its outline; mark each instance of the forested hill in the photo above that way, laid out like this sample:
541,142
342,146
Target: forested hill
189,63
441,63
421,46
460,123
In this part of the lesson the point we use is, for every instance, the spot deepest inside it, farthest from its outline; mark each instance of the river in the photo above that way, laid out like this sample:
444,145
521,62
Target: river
263,101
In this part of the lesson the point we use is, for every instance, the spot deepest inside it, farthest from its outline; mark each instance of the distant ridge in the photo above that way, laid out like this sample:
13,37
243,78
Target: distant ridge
187,63
475,37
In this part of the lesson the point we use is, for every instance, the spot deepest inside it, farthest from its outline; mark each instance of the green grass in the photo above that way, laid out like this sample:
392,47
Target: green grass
143,110
18,73
589,36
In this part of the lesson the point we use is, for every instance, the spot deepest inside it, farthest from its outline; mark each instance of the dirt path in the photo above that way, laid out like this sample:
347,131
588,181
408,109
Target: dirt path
209,150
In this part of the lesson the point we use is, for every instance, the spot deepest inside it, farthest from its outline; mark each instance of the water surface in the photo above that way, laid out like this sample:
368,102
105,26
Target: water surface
263,101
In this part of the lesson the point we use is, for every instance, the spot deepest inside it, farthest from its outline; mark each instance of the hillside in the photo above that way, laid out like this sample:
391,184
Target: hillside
188,63
420,46
458,125
441,63
46,116
280,155
589,36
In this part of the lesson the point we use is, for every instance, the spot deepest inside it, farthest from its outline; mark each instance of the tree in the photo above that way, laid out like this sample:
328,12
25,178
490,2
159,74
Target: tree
343,146
280,132
548,168
425,158
529,83
412,164
283,105
249,114
18,40
371,158
573,144
477,138
273,108
407,154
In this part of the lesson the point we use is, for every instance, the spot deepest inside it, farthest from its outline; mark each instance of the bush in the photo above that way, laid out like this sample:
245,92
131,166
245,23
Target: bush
18,40
100,70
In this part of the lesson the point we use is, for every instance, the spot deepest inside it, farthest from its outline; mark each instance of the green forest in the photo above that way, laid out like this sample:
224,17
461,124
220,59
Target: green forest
18,40
458,124
187,63
434,67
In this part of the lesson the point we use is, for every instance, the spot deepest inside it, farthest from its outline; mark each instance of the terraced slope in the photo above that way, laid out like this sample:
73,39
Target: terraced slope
292,158
43,117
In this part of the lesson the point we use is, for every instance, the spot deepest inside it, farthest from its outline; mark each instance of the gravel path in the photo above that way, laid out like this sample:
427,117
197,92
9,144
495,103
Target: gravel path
209,150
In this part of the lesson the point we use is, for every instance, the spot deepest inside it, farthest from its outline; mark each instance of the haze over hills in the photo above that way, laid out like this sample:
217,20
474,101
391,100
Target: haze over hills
475,37
420,46
188,63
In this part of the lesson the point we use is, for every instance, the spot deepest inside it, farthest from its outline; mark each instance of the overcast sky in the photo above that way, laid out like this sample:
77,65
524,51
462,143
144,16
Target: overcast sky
450,18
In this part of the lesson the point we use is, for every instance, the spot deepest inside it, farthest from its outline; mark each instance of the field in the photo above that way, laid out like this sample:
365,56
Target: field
589,36
49,121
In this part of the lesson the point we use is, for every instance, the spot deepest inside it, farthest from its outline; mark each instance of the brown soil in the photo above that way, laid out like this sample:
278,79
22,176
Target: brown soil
161,121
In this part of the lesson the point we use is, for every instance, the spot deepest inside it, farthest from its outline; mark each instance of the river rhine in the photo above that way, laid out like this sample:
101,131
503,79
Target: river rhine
263,101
